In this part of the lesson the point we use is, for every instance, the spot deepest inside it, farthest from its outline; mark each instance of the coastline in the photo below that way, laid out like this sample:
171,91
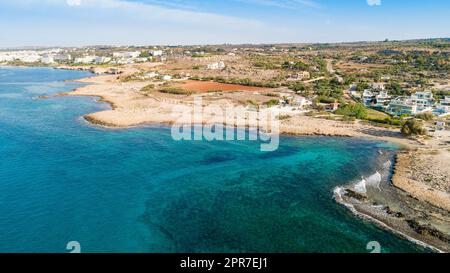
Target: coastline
337,196
126,112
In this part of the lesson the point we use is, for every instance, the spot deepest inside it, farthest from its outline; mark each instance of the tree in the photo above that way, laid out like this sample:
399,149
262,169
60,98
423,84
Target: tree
356,110
413,127
396,89
425,116
144,54
361,86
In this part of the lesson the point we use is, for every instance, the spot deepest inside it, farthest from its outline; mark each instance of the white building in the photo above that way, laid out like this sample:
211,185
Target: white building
376,98
303,75
424,100
25,56
418,102
378,86
444,106
141,60
62,57
32,58
301,102
368,97
216,66
47,59
102,60
156,53
382,100
126,55
85,60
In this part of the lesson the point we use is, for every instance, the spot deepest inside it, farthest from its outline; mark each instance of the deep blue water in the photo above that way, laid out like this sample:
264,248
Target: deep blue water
137,190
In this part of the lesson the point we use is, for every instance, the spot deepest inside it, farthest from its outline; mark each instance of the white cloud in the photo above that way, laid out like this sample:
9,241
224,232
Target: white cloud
374,2
135,10
73,2
286,4
121,22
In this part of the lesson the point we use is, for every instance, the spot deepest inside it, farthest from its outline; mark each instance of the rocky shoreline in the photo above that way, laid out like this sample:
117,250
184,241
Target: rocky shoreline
398,211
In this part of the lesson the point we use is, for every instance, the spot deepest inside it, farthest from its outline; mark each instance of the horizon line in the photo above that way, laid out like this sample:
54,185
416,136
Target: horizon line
221,44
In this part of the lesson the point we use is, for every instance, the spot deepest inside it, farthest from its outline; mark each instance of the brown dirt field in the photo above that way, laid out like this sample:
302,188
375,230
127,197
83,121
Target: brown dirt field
356,66
204,86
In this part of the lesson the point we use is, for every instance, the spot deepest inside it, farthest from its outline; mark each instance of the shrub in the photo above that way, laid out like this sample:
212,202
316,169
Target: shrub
425,116
389,121
323,99
148,88
272,95
175,91
284,117
271,103
252,103
356,110
413,127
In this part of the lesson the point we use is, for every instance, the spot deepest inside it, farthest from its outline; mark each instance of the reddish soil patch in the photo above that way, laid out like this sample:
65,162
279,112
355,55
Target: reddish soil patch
204,86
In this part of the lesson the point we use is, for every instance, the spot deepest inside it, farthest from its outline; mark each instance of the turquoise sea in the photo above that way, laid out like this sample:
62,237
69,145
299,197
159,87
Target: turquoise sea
137,190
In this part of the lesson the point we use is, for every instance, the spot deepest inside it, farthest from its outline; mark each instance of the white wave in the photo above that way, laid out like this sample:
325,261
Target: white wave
360,187
374,180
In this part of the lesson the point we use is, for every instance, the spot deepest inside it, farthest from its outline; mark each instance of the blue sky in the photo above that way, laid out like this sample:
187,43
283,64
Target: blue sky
143,22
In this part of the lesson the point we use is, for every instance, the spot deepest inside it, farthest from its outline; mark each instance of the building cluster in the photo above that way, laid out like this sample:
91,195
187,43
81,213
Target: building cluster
419,102
53,56
32,56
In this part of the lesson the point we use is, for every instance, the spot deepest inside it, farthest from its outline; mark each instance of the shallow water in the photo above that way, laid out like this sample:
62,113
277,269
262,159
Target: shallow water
137,190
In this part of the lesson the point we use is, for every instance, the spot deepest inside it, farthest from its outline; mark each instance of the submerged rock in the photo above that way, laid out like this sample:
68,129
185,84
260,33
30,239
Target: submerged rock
428,230
355,195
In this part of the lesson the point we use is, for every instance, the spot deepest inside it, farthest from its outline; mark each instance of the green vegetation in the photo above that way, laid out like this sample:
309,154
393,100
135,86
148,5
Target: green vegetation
271,103
374,114
272,95
329,89
148,88
175,91
387,121
283,117
440,94
133,77
145,54
239,81
425,116
356,110
361,86
299,65
323,99
395,89
351,112
413,127
297,86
